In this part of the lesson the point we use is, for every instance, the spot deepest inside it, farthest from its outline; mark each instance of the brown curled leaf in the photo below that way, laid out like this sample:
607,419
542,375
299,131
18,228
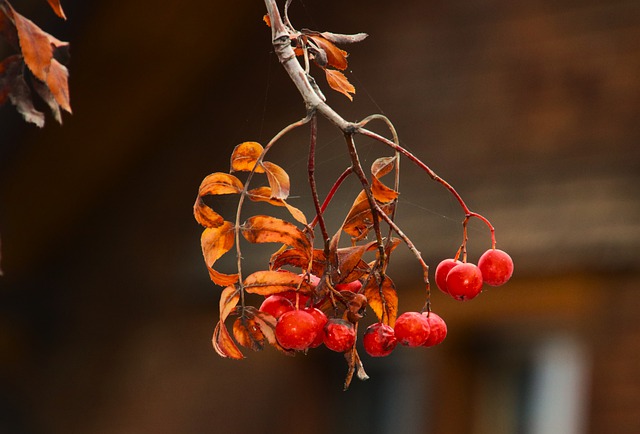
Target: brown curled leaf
267,229
215,184
274,282
267,324
248,333
335,57
299,259
383,300
359,220
215,242
228,301
379,168
278,180
223,344
245,156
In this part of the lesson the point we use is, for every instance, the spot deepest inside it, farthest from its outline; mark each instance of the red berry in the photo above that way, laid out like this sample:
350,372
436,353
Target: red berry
276,305
351,286
339,335
379,340
442,270
412,329
438,329
464,281
296,330
496,267
321,320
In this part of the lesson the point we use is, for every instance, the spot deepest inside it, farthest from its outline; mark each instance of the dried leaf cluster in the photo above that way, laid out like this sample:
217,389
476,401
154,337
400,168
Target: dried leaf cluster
35,67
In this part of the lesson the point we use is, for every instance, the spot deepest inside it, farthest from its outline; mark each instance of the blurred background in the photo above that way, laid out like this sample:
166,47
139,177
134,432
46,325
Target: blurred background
531,109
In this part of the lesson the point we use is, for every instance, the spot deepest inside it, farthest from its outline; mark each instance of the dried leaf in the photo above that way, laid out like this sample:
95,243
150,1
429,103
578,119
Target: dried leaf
245,156
58,82
223,344
45,93
57,8
278,180
14,86
336,57
228,301
266,229
267,20
36,45
248,333
299,259
216,242
274,282
215,184
359,220
263,194
267,324
339,39
339,82
383,300
379,168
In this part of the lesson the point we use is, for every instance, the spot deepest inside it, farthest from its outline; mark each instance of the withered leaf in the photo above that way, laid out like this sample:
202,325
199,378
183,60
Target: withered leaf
278,180
263,194
267,324
228,301
57,80
383,300
379,168
274,282
247,333
350,263
359,220
215,184
299,259
267,229
339,82
245,156
57,8
223,344
335,57
14,86
216,242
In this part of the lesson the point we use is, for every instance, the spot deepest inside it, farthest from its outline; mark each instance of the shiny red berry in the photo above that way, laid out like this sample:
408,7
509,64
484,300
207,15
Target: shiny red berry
379,340
276,305
464,281
296,330
412,329
496,267
442,270
351,286
321,320
339,335
438,329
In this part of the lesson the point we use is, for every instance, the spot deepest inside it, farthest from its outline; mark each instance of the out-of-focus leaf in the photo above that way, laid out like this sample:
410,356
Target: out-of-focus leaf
278,180
228,301
214,184
247,333
336,57
245,156
57,8
267,229
7,28
58,82
383,300
274,282
216,242
263,194
339,82
14,86
223,344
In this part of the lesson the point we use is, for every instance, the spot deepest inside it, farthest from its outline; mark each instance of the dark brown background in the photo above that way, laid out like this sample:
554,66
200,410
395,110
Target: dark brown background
530,109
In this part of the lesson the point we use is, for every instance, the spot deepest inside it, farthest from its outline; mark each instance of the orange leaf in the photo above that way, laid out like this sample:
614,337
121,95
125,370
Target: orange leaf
214,184
266,229
359,220
57,8
379,168
278,180
216,242
267,20
248,333
274,282
245,156
223,344
383,300
228,301
335,56
263,194
339,82
58,82
267,324
300,259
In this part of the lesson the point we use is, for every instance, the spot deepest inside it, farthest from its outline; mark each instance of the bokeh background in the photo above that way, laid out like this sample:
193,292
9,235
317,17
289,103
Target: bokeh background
531,109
